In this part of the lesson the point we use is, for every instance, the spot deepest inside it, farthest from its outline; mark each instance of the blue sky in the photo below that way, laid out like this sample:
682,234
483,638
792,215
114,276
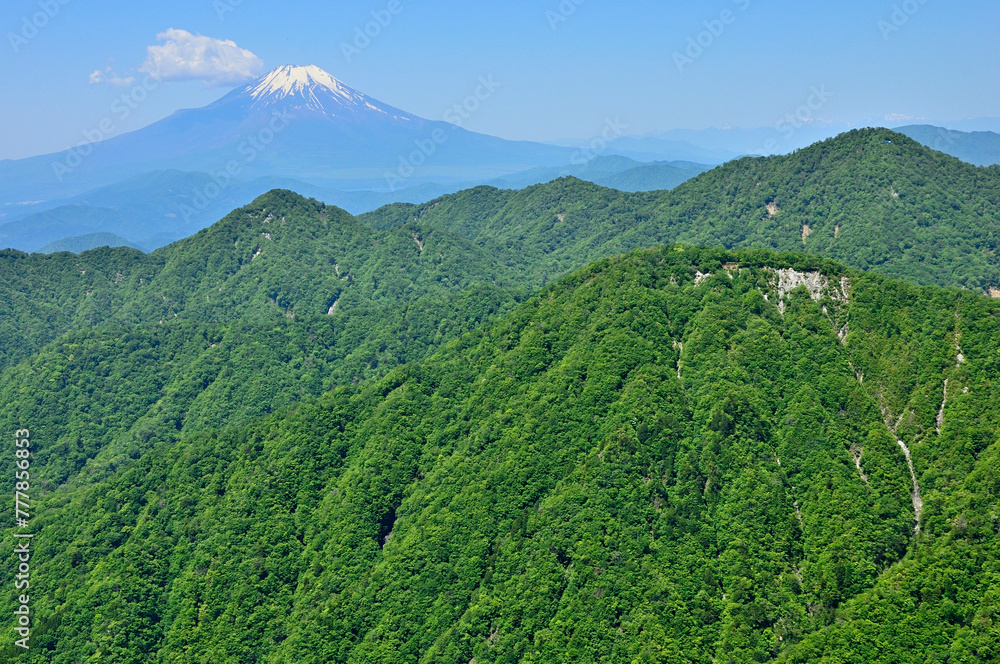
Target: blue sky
565,66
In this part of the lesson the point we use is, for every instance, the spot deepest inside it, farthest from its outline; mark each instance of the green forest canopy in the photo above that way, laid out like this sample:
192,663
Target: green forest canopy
673,456
505,483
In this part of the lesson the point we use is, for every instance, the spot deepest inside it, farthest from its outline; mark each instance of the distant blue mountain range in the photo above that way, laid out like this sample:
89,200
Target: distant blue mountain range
981,148
300,128
294,128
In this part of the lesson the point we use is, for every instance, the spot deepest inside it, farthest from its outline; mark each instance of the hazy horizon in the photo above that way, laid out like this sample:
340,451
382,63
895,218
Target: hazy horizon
561,70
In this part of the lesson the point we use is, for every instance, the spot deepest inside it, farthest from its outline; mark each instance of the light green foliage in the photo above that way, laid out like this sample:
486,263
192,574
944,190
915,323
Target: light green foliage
895,208
222,328
636,465
663,457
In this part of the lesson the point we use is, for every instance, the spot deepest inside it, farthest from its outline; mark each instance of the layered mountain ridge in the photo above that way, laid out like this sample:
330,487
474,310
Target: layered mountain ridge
444,433
873,199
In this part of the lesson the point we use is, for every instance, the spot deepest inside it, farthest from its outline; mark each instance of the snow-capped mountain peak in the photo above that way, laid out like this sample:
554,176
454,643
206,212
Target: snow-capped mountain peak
308,87
290,80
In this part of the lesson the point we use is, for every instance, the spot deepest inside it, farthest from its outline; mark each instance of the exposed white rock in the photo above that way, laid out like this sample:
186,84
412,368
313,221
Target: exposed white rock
940,415
918,501
915,497
819,288
856,453
816,283
959,356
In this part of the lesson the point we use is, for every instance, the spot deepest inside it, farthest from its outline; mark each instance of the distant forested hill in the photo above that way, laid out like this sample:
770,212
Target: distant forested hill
872,199
113,352
81,243
653,176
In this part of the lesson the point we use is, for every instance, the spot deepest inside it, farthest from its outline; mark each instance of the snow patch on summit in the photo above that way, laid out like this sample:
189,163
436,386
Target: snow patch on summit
317,88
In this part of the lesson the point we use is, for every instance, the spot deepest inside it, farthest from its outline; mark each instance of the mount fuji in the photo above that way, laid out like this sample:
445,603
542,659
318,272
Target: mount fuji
294,122
296,128
312,89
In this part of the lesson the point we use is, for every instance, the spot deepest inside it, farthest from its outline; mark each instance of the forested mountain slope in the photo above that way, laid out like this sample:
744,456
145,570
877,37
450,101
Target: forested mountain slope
493,501
114,351
677,455
896,207
872,199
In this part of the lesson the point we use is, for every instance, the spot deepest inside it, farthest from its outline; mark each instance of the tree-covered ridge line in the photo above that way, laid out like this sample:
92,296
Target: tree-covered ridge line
280,301
282,255
291,297
128,363
675,455
872,199
897,208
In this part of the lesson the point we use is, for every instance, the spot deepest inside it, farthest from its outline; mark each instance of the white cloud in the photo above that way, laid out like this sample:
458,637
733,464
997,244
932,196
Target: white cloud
187,57
109,77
